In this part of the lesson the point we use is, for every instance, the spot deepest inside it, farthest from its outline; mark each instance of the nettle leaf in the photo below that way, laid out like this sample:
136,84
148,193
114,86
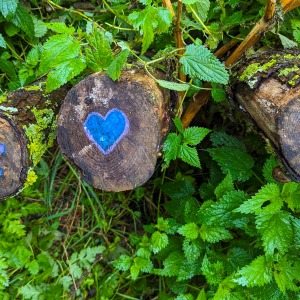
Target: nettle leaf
173,85
57,50
171,148
62,74
291,195
99,56
268,193
194,135
2,41
219,139
60,27
192,249
201,8
213,271
222,212
190,231
8,7
177,122
257,273
159,240
268,167
235,161
115,68
285,273
199,62
276,231
189,155
224,187
213,234
149,21
23,20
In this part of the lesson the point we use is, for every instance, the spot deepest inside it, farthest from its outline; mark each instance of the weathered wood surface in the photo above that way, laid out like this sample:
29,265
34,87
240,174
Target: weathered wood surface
27,130
268,89
112,131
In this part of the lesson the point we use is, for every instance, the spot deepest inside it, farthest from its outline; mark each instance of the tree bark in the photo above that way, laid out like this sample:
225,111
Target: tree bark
268,89
27,130
112,131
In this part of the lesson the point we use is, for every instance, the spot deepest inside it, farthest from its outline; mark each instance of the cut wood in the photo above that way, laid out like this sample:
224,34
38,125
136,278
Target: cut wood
27,130
112,130
268,89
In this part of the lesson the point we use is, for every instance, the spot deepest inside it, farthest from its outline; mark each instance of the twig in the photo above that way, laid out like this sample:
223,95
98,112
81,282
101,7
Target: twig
252,38
288,5
167,4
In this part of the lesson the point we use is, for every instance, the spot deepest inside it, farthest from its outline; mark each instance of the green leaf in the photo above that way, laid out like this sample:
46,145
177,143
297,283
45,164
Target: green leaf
201,8
2,41
268,167
60,27
30,291
171,148
235,161
224,187
173,85
99,56
33,56
159,241
192,249
213,272
66,71
8,7
143,264
123,263
276,231
194,135
8,68
285,273
190,231
23,20
222,212
218,94
115,68
177,122
88,255
257,273
268,193
213,234
39,29
57,50
199,62
291,195
189,155
223,139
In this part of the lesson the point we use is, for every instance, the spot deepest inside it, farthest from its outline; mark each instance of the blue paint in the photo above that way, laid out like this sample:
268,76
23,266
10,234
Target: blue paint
1,173
2,149
106,132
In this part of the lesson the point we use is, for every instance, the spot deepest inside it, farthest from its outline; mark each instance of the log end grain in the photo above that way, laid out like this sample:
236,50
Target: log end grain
112,131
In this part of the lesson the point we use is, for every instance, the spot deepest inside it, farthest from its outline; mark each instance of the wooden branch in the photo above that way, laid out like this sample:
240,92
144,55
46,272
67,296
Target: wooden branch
112,131
167,4
27,130
288,5
268,89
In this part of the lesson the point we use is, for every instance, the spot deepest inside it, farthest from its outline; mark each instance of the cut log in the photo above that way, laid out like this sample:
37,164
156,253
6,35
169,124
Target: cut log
268,89
112,131
27,130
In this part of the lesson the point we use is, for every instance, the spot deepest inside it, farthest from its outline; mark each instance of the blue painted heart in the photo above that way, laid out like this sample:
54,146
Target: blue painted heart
106,132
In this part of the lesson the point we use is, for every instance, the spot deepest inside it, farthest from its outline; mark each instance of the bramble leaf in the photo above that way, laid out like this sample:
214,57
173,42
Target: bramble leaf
199,62
257,273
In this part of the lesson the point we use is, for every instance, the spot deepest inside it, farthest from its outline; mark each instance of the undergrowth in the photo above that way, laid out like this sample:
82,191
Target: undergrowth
212,223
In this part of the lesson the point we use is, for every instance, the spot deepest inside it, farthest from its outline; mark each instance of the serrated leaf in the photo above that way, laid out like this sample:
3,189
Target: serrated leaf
268,193
23,20
286,42
179,189
159,240
201,8
30,291
291,195
60,27
223,139
178,124
296,34
173,85
199,62
39,29
33,56
276,231
8,7
190,231
171,148
213,272
143,264
33,267
218,94
123,263
57,50
192,249
172,264
189,155
286,273
66,71
235,161
213,234
224,187
268,167
115,68
2,41
257,273
194,135
76,271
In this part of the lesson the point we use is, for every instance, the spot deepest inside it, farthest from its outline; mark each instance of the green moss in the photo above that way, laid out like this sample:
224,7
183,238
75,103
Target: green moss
293,81
287,71
33,88
249,71
289,56
31,178
39,142
268,65
2,99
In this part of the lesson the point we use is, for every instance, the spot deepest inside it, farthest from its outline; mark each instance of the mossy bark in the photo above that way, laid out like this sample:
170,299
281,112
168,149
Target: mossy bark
267,86
27,130
112,130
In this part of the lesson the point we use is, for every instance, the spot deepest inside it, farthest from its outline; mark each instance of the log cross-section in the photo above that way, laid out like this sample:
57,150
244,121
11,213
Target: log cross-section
267,87
112,130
